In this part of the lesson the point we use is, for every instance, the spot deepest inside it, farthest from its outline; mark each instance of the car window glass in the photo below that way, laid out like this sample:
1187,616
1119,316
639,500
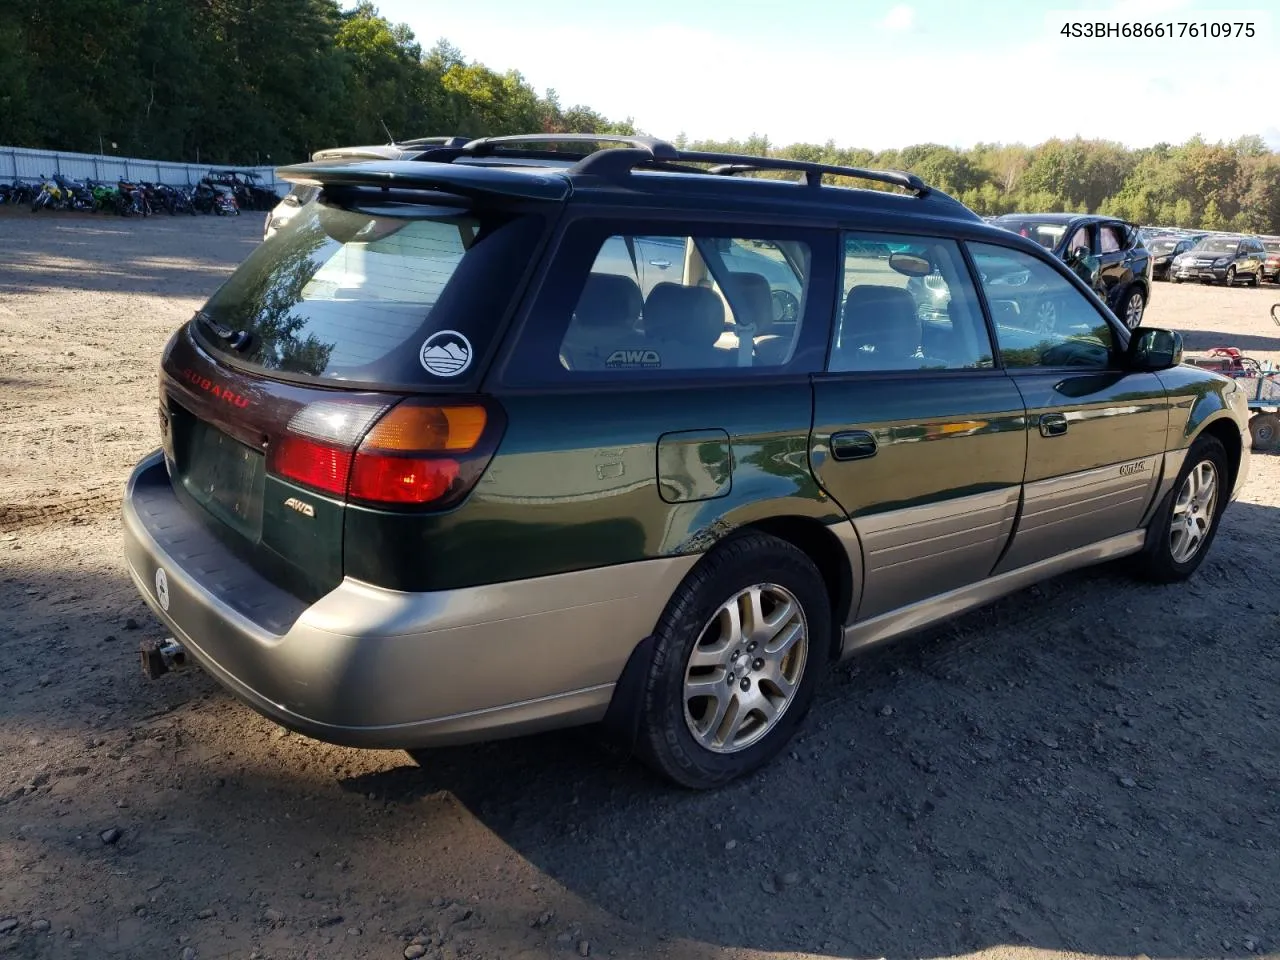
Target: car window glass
1109,239
893,321
681,302
1041,319
1080,239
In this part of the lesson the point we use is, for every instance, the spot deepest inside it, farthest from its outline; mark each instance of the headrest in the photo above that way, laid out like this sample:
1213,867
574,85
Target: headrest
608,301
752,300
882,316
691,315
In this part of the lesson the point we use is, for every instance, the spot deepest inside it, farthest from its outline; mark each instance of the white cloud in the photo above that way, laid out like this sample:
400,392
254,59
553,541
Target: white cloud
899,19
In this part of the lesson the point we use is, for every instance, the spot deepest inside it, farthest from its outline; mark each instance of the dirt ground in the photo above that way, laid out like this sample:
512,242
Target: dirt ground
1088,768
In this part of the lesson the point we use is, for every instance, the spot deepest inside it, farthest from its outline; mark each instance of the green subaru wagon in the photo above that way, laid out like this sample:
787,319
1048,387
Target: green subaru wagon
523,433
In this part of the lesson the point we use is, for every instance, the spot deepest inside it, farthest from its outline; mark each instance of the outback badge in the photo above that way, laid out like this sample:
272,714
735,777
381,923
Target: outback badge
304,508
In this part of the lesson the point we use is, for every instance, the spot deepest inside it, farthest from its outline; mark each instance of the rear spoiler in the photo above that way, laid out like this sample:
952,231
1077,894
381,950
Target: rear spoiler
425,175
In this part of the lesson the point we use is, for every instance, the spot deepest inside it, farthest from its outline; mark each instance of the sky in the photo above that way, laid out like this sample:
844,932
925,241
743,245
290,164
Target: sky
877,73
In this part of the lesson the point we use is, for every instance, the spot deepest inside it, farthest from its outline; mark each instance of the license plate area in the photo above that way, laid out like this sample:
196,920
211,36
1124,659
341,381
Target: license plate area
220,473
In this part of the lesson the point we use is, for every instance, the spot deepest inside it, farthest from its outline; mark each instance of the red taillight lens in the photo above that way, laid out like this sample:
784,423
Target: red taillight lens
415,453
389,479
312,464
420,453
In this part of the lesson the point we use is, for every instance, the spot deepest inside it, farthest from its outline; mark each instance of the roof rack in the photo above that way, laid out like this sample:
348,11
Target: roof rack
729,165
629,152
650,151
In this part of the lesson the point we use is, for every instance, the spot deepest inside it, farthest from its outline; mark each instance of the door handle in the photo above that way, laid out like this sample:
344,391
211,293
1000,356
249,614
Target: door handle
1052,425
853,445
660,264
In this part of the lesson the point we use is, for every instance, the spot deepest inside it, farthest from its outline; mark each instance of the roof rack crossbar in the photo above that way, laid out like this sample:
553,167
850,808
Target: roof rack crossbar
433,142
651,146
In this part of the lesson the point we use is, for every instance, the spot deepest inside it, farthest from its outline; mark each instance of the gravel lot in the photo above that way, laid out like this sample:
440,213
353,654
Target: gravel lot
1090,767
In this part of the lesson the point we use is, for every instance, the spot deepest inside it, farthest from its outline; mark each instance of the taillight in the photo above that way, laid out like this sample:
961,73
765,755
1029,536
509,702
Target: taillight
313,464
416,453
421,452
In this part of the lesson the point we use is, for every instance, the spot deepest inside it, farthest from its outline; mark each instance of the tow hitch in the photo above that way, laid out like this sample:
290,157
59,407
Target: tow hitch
161,656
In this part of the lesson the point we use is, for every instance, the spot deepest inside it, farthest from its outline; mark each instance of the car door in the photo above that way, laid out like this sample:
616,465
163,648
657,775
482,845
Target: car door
661,261
1258,255
1114,270
1095,432
916,434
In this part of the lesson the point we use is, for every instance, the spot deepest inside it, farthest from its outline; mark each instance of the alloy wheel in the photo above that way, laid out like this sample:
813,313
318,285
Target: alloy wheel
1133,310
745,668
1046,320
1194,512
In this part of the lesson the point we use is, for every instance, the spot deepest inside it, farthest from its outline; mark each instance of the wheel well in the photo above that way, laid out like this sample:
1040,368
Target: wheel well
1225,430
827,554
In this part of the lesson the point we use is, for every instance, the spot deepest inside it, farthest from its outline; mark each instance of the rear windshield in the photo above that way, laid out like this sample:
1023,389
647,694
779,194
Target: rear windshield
398,294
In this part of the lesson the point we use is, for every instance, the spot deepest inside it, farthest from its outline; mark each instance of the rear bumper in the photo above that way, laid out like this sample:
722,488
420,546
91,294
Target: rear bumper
371,667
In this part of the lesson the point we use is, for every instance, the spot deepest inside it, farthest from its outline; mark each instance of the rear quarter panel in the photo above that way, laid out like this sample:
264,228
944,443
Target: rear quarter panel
575,484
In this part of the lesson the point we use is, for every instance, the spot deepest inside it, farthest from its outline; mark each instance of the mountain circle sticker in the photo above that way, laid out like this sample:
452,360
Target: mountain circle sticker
446,353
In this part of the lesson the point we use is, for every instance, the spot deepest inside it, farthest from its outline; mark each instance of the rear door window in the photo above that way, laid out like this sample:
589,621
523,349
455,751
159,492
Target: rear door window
655,303
394,294
916,309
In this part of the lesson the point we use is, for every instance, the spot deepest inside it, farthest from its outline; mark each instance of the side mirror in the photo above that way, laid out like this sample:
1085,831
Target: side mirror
1152,349
910,265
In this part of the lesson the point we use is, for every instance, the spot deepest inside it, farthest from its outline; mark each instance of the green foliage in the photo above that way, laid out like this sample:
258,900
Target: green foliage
1214,186
271,81
248,81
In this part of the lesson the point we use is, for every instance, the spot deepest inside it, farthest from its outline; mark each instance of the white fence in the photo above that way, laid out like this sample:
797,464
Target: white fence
27,164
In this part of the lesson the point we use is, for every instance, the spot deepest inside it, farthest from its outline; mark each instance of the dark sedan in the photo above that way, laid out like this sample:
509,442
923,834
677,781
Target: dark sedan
1163,250
1106,252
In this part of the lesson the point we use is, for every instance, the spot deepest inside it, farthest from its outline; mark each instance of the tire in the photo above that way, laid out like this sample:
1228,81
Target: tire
1160,559
698,619
1230,280
1134,306
1264,429
1257,278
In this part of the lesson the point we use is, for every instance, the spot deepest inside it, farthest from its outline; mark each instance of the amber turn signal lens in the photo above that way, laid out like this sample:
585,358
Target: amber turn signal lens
411,428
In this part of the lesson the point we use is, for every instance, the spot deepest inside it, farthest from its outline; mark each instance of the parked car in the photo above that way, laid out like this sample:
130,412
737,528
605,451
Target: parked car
1271,265
302,194
1222,258
1163,250
1106,252
433,469
247,187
